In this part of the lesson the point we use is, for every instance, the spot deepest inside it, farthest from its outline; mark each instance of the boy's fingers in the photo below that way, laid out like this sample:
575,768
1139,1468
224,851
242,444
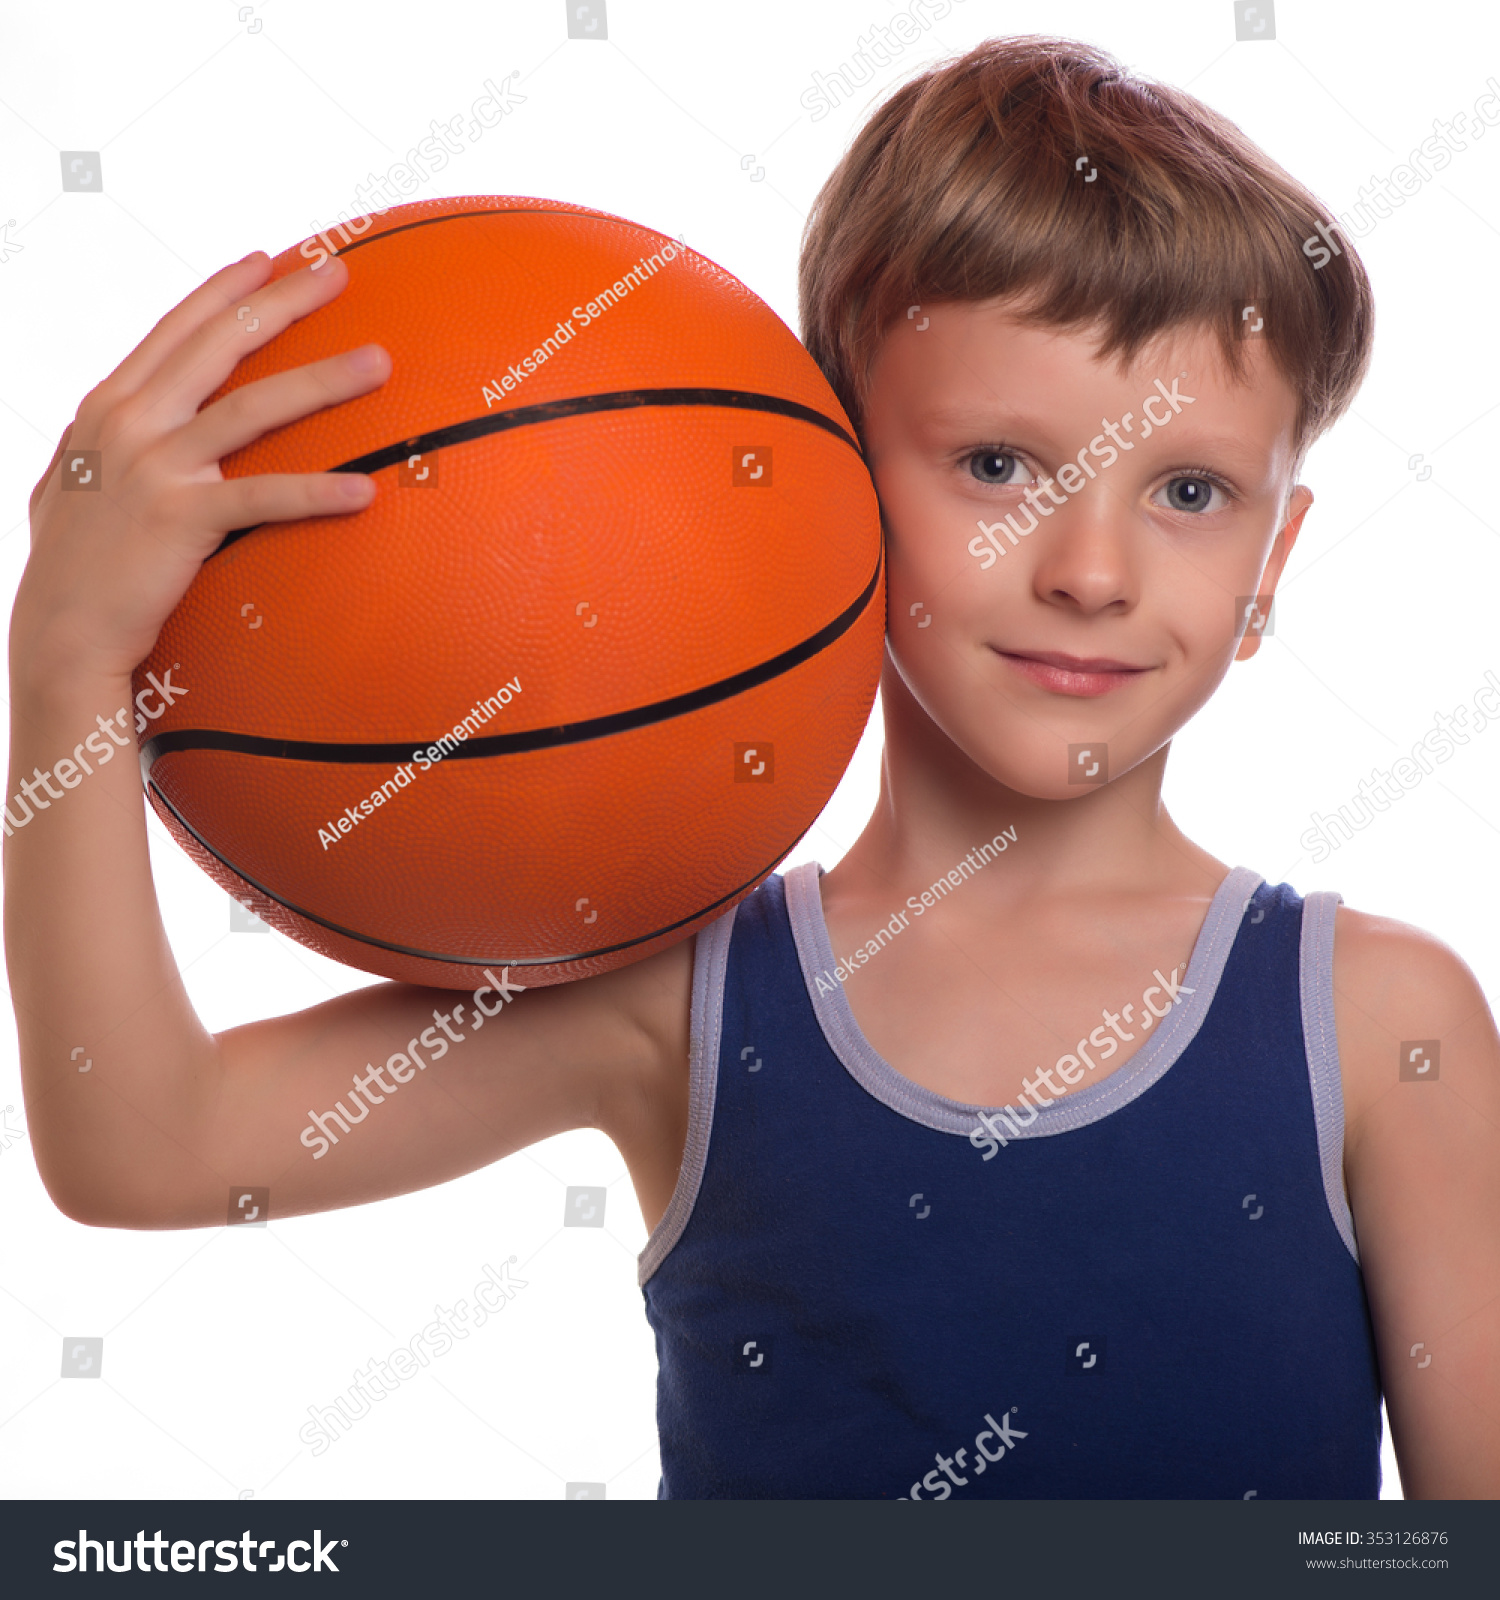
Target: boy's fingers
41,483
279,497
171,395
227,286
244,415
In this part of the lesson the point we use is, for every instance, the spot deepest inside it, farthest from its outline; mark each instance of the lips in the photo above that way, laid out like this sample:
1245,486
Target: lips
1071,675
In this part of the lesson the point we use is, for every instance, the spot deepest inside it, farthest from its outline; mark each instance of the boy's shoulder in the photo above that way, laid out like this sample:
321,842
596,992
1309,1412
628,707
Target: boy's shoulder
1414,1029
1420,1062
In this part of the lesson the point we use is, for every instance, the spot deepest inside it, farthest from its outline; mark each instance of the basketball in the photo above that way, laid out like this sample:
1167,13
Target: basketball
595,656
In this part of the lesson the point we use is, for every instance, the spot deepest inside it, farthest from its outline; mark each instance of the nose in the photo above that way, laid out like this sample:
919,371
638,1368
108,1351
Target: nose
1084,554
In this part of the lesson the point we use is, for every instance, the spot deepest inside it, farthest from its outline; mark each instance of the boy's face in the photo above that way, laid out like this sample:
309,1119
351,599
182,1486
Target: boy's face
1116,616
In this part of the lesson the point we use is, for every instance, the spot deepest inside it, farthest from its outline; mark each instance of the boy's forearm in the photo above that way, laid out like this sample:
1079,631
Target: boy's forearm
110,1047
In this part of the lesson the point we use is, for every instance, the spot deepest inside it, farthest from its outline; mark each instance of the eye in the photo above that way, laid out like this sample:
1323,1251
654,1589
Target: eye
995,466
1195,494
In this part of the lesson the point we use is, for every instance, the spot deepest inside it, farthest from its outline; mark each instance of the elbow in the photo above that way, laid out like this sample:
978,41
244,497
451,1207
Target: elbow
91,1210
94,1205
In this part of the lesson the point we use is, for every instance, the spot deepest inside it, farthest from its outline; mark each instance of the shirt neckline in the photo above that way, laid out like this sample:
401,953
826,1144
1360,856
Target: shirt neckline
1171,1036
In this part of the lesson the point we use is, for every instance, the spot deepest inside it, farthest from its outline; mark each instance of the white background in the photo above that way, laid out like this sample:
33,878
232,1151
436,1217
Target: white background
217,139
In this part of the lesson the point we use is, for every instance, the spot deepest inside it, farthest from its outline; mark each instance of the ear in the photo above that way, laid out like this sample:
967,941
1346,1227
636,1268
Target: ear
1298,505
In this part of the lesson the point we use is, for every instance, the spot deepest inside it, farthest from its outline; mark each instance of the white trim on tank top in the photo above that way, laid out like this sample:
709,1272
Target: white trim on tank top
1084,1106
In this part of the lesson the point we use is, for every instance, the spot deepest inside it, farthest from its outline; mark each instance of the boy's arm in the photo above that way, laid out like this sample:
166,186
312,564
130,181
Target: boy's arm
137,1115
1422,1165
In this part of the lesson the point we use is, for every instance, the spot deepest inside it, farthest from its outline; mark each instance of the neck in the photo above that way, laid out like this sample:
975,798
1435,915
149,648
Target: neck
937,805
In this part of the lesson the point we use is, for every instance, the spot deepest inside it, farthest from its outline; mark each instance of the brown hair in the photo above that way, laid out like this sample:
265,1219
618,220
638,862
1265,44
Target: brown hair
967,184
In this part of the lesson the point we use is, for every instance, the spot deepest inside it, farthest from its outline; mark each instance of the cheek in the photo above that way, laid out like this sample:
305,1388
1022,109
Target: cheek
916,571
1210,597
925,537
935,595
941,609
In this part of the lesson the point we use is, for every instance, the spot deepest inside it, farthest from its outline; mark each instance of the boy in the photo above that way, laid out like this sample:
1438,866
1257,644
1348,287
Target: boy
923,1224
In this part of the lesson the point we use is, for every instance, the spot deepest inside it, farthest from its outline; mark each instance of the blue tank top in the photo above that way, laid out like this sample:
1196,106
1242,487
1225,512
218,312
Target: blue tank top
1150,1290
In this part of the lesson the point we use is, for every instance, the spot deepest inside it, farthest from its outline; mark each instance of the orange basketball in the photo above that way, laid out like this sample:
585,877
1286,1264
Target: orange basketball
593,659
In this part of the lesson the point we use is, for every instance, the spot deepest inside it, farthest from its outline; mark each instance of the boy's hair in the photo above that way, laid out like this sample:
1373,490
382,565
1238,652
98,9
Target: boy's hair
973,181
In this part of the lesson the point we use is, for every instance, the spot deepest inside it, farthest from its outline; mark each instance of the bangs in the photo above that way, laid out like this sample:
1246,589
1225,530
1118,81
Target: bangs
1039,169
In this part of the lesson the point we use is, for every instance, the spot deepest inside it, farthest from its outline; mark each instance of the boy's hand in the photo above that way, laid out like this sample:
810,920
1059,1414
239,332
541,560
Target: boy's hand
107,568
167,1117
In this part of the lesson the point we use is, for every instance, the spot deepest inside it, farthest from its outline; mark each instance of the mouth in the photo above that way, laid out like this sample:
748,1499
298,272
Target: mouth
1073,675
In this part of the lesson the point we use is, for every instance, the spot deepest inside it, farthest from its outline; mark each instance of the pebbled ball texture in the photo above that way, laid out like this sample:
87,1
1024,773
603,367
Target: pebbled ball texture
690,647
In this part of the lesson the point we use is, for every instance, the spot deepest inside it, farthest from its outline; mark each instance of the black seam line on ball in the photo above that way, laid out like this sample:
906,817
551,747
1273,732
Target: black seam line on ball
467,961
577,405
478,211
583,404
504,744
